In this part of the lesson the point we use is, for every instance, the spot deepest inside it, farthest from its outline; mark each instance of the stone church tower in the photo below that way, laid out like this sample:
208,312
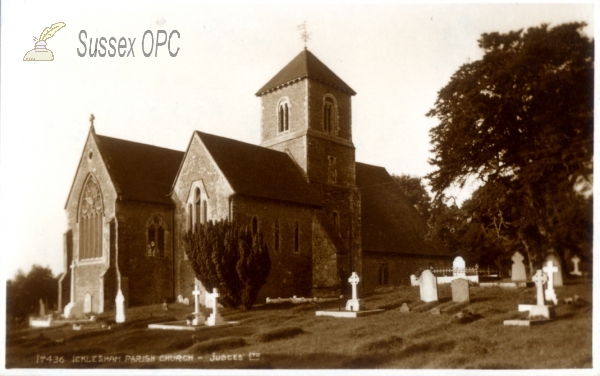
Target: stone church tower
306,112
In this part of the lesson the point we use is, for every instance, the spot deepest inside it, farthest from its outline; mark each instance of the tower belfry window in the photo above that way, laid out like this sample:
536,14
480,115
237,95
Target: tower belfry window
283,116
329,114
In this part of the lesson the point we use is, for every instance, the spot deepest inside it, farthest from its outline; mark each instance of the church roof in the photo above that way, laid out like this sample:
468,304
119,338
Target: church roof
257,171
389,222
305,65
140,172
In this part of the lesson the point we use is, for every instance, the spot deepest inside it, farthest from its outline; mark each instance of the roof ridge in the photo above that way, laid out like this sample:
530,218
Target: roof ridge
137,143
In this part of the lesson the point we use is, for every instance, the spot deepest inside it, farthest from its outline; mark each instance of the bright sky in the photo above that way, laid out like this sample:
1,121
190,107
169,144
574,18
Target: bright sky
395,56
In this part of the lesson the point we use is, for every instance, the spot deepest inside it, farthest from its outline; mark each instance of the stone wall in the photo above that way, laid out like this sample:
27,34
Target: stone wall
400,267
150,277
197,169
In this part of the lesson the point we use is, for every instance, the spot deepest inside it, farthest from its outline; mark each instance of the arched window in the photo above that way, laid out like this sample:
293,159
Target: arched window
197,208
90,220
155,239
276,235
254,225
283,115
383,274
296,238
336,221
329,114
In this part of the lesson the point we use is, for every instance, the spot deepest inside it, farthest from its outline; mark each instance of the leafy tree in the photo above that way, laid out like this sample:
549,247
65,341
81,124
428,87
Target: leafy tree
413,187
228,257
23,293
521,121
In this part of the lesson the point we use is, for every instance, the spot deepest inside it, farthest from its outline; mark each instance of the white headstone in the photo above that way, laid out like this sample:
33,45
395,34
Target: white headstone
576,260
460,290
198,316
87,303
557,280
540,309
120,302
353,304
42,308
518,268
428,286
179,298
458,267
215,317
550,269
414,281
186,301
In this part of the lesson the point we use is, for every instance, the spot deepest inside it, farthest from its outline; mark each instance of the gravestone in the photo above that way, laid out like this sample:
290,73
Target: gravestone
186,301
42,308
540,309
120,307
518,268
87,303
215,317
550,270
414,281
576,260
404,308
460,290
180,298
458,267
556,278
198,316
428,287
353,304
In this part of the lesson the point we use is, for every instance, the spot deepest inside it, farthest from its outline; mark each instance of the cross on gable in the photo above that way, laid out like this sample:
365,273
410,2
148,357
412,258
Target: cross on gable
92,117
354,279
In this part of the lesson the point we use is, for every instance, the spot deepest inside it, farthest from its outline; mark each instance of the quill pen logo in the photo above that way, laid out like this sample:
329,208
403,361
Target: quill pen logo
40,52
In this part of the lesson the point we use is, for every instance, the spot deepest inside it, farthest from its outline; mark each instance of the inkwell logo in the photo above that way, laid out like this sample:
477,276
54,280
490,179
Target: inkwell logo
40,52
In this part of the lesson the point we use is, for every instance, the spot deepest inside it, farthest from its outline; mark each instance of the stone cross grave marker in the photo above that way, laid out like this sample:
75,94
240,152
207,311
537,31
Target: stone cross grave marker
460,290
540,309
576,261
428,287
550,269
120,301
215,317
87,303
198,316
518,269
557,279
458,267
352,304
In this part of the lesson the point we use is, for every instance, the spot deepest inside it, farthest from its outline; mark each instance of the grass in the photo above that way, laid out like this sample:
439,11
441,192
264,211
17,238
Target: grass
463,336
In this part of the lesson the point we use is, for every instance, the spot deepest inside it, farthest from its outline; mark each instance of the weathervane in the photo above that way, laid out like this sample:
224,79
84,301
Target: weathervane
305,34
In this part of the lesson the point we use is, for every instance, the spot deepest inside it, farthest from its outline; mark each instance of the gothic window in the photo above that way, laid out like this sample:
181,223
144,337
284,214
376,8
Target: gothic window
155,237
283,115
296,238
90,221
197,202
383,274
332,171
336,221
329,114
254,225
276,235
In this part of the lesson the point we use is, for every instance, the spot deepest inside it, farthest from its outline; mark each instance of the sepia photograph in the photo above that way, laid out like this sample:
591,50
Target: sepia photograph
297,187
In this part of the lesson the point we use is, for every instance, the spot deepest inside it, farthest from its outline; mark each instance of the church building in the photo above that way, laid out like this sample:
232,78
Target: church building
322,214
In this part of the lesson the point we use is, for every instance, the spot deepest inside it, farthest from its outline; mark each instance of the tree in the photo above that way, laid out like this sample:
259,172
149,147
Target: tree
521,121
414,189
23,293
228,257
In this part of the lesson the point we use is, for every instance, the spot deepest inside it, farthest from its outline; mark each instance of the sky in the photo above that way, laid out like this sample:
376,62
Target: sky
395,56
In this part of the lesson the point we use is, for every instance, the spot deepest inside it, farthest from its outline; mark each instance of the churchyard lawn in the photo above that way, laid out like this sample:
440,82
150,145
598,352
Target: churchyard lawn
462,335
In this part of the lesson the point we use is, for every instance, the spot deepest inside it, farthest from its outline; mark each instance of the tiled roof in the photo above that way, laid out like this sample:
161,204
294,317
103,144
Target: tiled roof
306,65
140,172
389,222
258,171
